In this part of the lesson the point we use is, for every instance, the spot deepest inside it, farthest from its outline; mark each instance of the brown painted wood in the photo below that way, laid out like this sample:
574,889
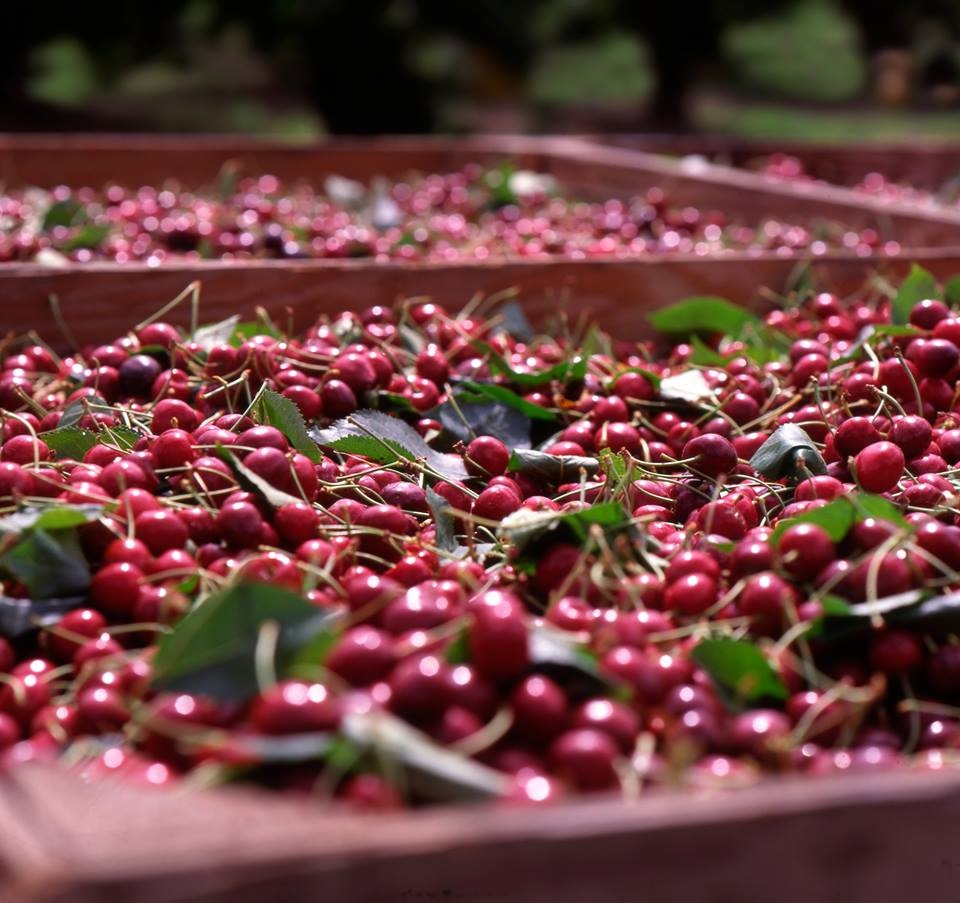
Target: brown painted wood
101,301
860,837
924,164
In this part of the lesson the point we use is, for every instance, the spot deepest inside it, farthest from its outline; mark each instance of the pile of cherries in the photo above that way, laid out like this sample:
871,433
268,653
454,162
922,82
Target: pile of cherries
441,637
468,215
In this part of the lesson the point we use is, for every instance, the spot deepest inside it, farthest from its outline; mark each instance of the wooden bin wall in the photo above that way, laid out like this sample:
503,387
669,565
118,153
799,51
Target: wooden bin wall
836,840
928,164
100,302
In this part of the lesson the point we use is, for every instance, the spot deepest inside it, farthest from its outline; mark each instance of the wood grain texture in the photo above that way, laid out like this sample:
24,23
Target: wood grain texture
101,301
842,840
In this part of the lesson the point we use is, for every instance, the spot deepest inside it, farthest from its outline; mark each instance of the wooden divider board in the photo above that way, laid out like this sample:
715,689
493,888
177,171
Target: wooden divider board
879,837
926,164
102,301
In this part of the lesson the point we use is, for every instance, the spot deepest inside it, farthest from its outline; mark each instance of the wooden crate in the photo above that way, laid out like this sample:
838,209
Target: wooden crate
845,839
876,837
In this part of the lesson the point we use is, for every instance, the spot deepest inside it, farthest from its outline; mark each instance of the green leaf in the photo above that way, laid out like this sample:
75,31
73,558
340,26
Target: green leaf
563,371
62,517
558,652
253,482
497,179
21,616
90,236
739,670
74,411
515,323
119,437
467,420
704,356
50,564
248,330
789,452
690,386
387,440
917,286
838,516
430,771
951,291
62,213
938,615
702,315
458,652
69,441
524,526
551,468
283,414
652,378
212,649
473,391
217,333
444,521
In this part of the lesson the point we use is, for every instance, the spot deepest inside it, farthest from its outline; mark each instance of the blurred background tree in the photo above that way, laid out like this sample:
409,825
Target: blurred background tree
302,67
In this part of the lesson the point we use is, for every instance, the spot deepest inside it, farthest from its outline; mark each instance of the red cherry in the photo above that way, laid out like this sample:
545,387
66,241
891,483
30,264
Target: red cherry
295,707
880,466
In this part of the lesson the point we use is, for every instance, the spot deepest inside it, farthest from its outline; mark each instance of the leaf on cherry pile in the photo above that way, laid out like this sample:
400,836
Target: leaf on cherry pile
69,441
524,526
515,323
62,213
51,564
470,391
287,748
917,610
208,337
20,616
444,521
878,330
838,516
705,314
253,482
936,615
705,356
951,291
387,440
212,649
272,408
571,370
77,409
467,420
739,671
90,236
559,653
248,330
430,771
918,285
61,517
690,386
789,452
552,469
